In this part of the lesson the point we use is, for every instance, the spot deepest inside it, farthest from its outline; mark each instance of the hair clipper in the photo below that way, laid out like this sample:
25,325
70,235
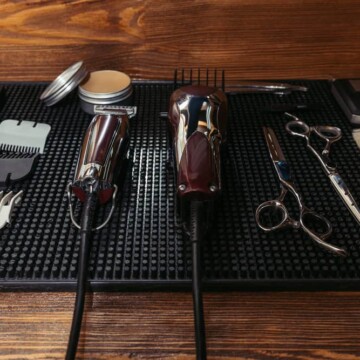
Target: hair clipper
197,118
101,158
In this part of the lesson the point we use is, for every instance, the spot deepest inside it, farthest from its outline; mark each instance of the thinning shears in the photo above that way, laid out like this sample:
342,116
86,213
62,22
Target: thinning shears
329,134
272,215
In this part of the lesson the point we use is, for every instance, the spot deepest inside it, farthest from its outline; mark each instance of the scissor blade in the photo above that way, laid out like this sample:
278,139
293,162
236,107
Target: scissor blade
273,145
281,166
345,195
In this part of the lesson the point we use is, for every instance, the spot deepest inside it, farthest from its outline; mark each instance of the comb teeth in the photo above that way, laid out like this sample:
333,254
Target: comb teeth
14,155
208,77
19,149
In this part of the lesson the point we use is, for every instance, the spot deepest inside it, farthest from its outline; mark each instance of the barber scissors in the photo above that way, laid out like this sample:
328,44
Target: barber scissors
329,134
309,221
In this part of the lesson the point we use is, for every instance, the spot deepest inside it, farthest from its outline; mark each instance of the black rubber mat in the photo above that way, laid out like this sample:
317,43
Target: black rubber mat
143,247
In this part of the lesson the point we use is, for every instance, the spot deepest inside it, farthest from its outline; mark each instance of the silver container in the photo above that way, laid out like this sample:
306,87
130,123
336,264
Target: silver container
105,87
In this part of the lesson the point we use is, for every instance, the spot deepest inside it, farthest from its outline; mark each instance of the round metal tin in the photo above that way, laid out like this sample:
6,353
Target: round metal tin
97,91
66,82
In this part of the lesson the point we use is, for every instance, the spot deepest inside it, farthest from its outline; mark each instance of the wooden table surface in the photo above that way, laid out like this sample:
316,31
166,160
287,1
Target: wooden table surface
159,325
250,39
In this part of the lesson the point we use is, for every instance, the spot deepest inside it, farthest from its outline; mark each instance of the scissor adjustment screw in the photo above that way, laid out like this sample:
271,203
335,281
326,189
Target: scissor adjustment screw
213,188
182,187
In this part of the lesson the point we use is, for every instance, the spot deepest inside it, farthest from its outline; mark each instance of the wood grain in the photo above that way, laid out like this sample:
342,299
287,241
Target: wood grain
123,326
149,38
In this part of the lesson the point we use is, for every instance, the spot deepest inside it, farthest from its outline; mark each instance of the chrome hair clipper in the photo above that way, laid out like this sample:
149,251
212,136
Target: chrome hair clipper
101,157
102,153
197,118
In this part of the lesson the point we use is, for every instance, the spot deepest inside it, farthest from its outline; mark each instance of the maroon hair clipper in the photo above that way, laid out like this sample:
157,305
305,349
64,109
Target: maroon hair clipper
101,156
102,153
197,118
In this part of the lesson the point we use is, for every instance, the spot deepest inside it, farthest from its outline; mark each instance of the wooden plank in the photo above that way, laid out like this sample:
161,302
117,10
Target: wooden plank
148,39
240,325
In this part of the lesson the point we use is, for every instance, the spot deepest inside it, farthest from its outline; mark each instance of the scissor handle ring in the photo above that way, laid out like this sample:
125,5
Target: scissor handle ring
308,212
328,133
276,204
320,238
292,128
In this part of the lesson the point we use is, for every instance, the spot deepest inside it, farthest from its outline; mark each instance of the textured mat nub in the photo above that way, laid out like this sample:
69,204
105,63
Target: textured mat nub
142,246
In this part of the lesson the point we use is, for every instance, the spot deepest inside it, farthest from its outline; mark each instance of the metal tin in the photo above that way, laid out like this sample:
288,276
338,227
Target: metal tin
66,82
95,91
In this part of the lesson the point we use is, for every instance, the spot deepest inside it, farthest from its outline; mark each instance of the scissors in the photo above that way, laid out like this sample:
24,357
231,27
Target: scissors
329,134
308,219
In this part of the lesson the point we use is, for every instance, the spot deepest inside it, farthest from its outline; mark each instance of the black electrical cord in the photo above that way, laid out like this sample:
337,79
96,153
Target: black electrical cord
85,233
195,237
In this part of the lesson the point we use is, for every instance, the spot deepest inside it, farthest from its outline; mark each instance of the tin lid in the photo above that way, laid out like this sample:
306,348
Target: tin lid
66,82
